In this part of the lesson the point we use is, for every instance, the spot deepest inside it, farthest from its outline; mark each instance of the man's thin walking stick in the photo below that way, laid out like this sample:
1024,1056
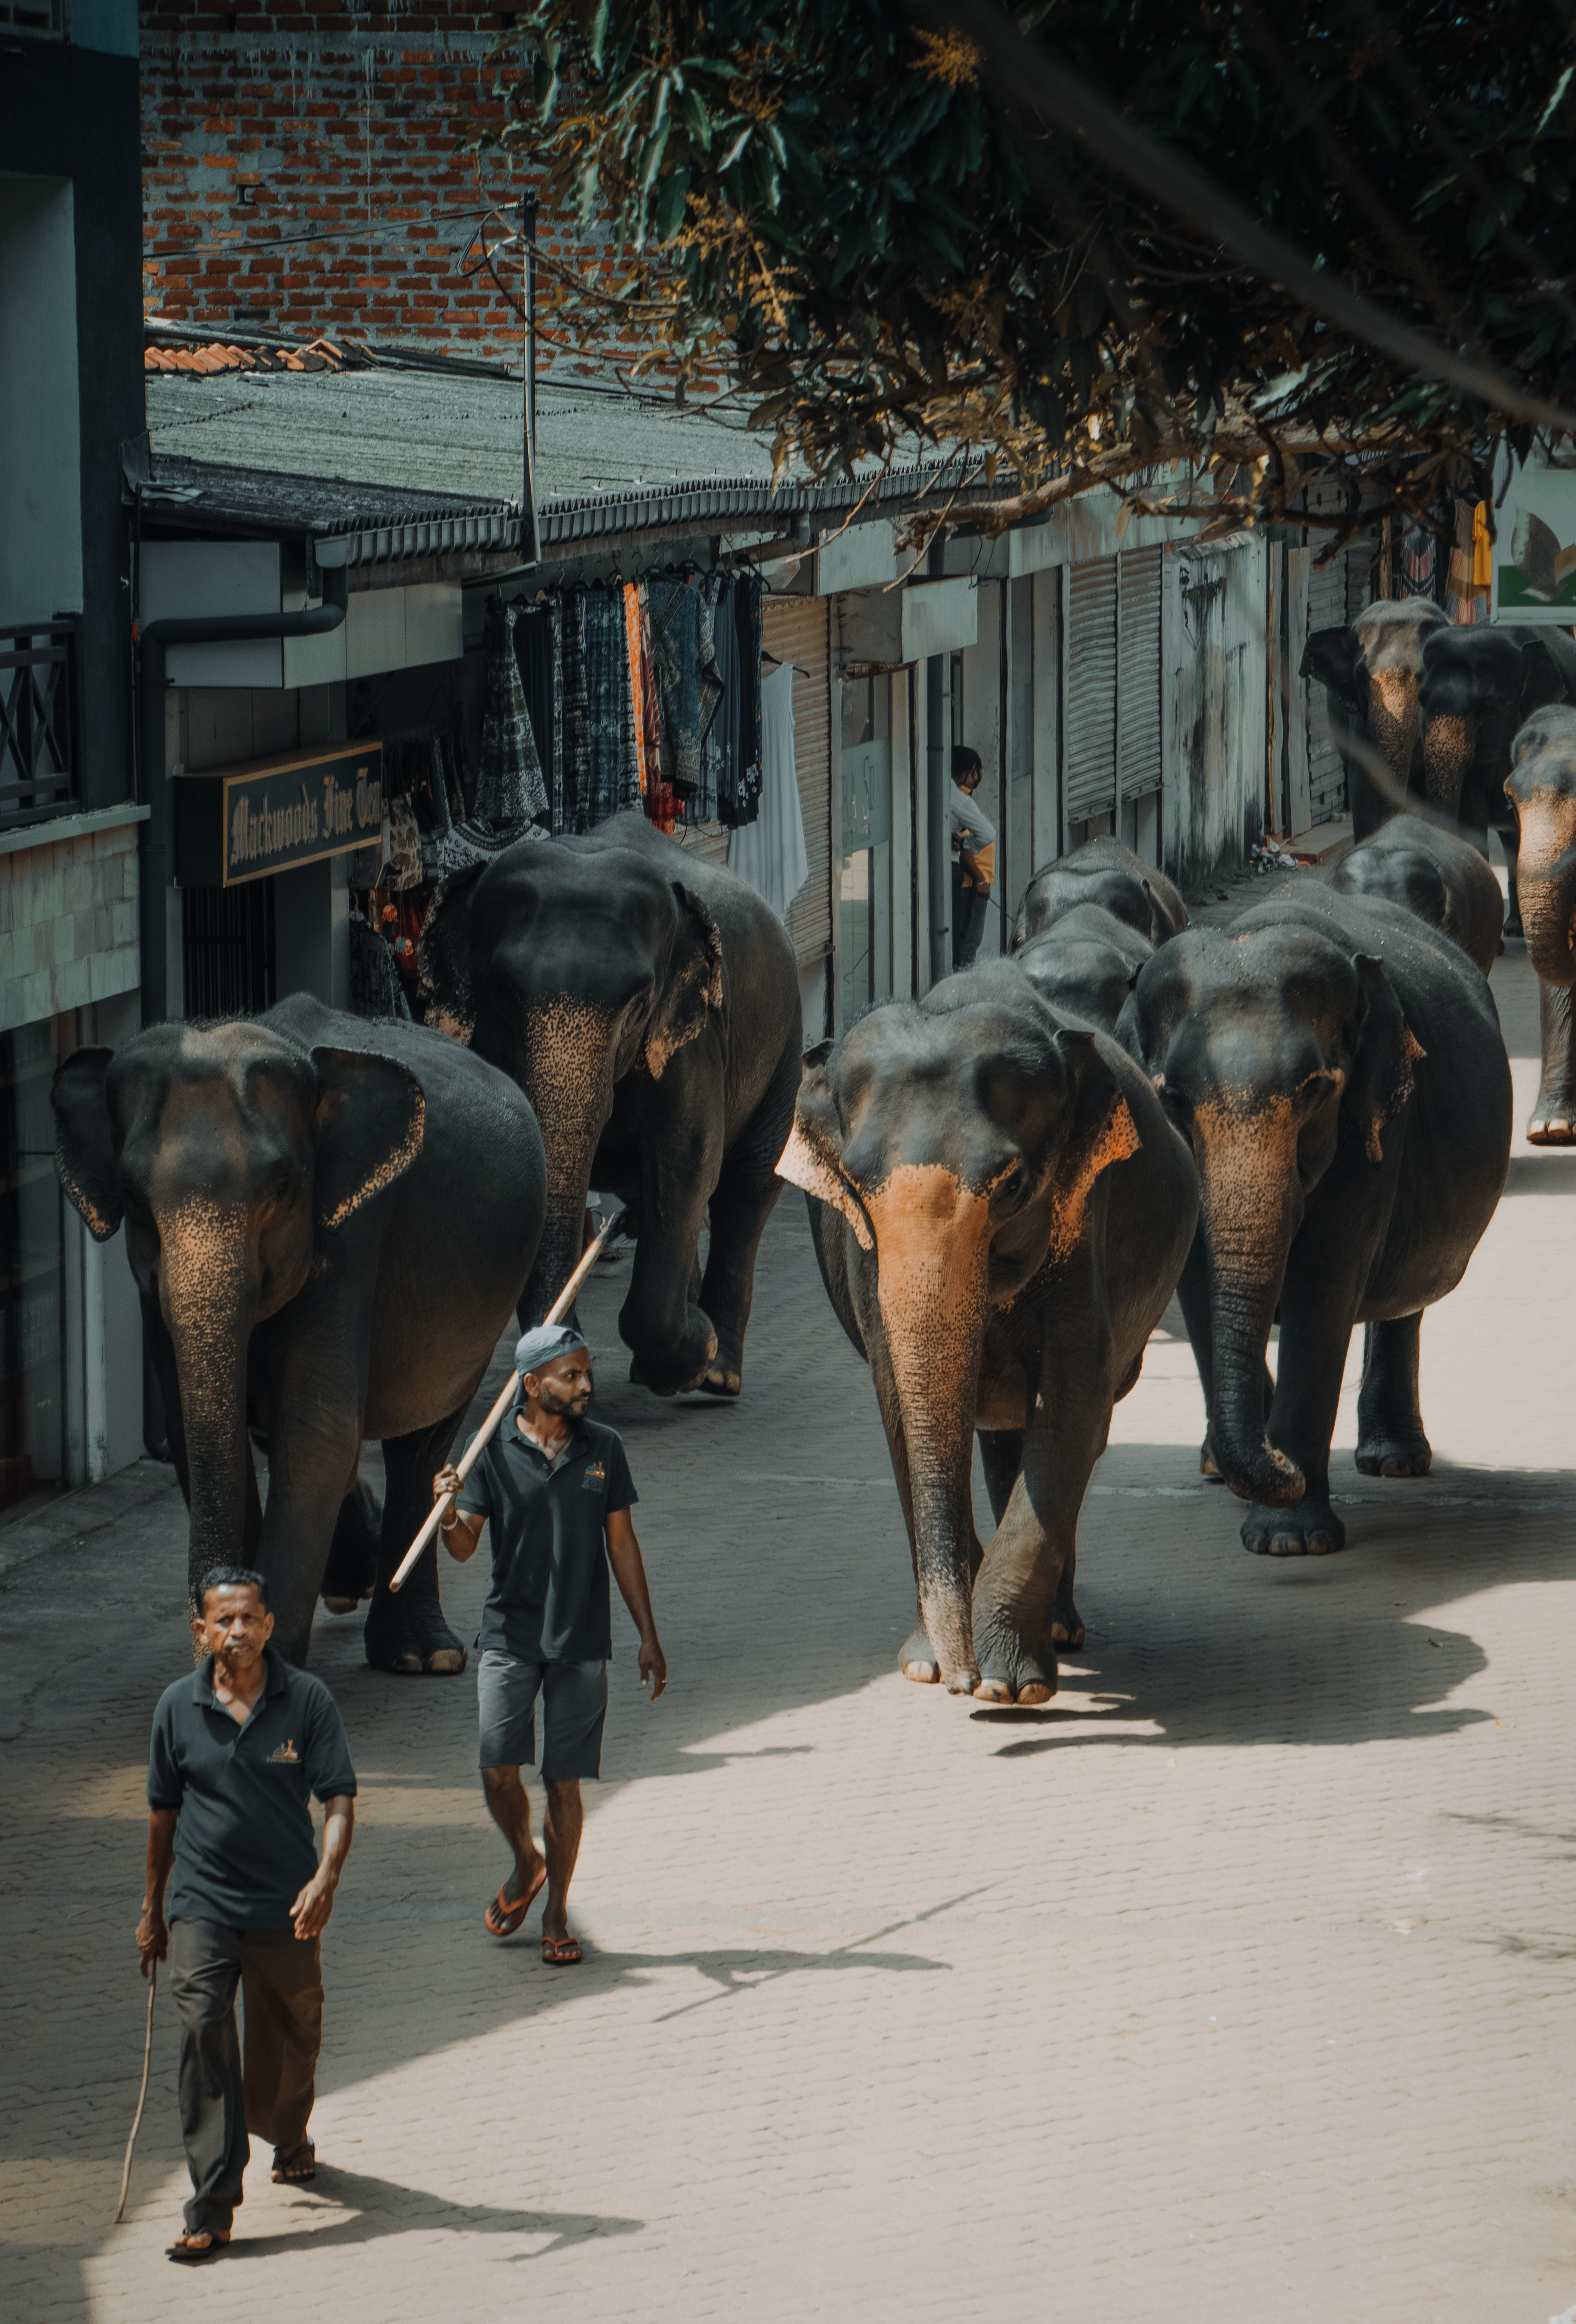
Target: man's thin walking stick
560,1307
125,2176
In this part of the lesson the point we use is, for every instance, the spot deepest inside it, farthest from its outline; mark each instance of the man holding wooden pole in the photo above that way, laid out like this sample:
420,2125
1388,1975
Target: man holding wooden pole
556,1489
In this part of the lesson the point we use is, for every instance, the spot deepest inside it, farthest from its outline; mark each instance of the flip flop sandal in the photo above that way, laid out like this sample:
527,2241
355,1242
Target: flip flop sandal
284,2165
511,1911
192,2255
561,1953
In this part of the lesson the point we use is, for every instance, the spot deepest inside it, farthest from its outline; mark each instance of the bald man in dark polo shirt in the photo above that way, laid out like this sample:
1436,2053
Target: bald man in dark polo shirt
556,1489
239,1748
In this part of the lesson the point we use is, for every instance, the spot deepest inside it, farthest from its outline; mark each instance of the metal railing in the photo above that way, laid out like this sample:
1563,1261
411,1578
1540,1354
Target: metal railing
39,724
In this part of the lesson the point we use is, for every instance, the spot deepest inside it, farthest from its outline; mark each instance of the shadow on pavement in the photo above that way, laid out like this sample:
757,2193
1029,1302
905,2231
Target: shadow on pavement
373,2208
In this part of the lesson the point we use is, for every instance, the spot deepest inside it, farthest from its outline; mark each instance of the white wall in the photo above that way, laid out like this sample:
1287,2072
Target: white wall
41,451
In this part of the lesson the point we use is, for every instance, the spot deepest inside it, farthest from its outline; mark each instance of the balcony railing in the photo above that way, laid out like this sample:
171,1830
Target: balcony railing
39,727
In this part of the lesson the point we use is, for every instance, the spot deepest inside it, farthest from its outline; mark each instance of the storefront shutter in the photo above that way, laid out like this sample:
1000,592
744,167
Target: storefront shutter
1137,722
1327,587
798,630
1090,716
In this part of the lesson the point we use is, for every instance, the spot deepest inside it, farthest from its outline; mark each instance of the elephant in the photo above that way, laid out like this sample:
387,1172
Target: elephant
1433,872
1001,1212
1102,871
1479,685
1085,963
1371,669
1337,1066
328,1223
1541,788
648,1004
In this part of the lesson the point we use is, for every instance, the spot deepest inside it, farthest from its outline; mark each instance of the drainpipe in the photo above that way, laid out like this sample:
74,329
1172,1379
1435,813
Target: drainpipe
158,833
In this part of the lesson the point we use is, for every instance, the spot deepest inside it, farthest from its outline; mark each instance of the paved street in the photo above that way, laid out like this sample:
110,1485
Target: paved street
1236,1984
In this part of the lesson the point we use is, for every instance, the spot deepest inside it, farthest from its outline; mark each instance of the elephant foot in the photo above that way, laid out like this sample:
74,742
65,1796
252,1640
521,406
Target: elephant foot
1552,1125
1013,1668
638,1379
1309,1528
1208,1466
918,1658
1400,1455
344,1605
412,1642
714,1381
1066,1624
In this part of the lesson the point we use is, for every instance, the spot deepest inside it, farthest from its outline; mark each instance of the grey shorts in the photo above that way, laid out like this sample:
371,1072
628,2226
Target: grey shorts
573,1713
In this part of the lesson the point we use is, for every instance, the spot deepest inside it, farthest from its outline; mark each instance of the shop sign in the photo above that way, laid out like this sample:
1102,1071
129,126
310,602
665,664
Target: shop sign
1535,549
242,822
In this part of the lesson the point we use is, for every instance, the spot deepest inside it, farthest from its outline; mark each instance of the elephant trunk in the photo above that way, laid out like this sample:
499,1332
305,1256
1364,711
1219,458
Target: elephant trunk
1247,1172
569,1078
1546,890
933,1260
209,1294
1450,745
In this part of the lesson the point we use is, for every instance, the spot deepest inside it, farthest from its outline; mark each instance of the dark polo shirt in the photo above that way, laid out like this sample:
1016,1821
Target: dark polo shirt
549,1600
243,1842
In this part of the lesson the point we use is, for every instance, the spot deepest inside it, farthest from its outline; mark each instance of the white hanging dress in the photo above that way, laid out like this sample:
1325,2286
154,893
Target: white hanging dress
770,852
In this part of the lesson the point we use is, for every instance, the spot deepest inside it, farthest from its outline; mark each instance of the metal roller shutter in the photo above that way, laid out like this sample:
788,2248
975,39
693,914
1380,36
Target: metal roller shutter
798,630
1137,682
1327,590
1091,711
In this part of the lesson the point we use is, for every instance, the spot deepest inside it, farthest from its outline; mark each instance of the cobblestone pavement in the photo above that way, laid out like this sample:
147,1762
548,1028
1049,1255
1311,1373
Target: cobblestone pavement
1236,1984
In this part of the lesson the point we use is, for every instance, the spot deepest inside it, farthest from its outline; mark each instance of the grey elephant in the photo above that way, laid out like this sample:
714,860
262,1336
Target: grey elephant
329,1223
1337,1066
1434,873
1372,670
648,1004
1102,871
1086,963
1541,791
1001,1210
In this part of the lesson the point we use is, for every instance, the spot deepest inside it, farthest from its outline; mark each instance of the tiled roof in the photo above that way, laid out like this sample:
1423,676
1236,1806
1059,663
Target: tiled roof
204,360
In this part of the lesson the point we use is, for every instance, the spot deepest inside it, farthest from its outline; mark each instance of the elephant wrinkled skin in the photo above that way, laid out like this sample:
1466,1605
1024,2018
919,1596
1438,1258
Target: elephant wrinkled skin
1436,874
1086,963
648,1004
1338,1069
1102,871
328,1223
1001,1210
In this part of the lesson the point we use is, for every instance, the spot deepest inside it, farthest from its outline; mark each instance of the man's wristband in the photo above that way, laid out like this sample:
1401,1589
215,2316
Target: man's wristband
447,1524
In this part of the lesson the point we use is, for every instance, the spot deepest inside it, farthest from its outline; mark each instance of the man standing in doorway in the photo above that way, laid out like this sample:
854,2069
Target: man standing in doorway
556,1489
973,871
239,1748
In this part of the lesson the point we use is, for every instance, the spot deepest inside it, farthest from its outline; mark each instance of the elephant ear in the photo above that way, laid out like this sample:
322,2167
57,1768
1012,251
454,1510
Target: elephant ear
84,1156
371,1112
1101,1130
1542,681
695,983
1332,657
446,982
1385,1052
812,1157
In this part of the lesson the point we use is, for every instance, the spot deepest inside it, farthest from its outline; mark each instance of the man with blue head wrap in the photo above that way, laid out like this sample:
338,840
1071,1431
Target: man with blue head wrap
555,1492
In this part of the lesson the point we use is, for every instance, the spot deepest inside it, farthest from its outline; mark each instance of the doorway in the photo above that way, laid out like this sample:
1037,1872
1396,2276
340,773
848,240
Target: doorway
864,888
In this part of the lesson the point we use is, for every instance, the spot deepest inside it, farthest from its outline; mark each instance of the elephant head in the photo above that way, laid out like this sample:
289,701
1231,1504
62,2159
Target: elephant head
1105,872
1273,1049
1373,669
571,971
235,1159
1541,788
959,1138
1479,685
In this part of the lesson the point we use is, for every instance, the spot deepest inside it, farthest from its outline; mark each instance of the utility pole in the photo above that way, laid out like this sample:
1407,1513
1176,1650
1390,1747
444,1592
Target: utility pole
528,540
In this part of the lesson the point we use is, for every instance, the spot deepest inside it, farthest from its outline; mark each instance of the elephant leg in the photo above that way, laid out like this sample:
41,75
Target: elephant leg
311,1467
1552,1121
1024,1609
352,1554
1001,1458
1390,1439
1317,1311
405,1630
1510,841
745,1196
669,1337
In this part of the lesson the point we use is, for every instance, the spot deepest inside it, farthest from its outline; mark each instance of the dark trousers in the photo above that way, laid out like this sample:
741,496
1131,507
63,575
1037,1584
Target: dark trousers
968,919
222,2100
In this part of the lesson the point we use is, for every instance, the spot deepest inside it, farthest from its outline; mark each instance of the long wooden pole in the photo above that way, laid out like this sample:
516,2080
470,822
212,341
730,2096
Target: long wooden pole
559,1308
125,2169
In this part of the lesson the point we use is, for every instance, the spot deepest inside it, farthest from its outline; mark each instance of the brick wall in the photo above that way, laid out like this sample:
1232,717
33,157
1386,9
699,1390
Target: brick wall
335,135
67,924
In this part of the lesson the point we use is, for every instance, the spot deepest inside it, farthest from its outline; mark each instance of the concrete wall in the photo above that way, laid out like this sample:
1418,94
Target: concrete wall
67,924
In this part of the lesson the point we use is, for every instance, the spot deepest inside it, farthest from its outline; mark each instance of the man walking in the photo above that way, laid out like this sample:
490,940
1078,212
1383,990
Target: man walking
556,1489
239,1747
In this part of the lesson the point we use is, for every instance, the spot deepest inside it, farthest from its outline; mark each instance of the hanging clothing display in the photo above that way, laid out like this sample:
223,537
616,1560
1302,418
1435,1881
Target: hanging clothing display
538,647
574,755
770,852
614,780
510,791
1471,566
689,688
375,990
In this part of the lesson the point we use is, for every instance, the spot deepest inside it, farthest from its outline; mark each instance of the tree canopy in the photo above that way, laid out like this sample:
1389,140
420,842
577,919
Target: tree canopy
891,224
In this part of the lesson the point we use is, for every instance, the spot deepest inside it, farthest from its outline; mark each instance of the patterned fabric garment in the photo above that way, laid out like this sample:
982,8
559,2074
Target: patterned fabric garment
574,724
689,688
536,646
638,676
510,791
615,781
375,990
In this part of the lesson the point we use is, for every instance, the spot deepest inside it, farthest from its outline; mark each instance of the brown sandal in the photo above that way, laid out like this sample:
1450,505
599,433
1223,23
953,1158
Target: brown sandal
190,2251
561,1953
289,2168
